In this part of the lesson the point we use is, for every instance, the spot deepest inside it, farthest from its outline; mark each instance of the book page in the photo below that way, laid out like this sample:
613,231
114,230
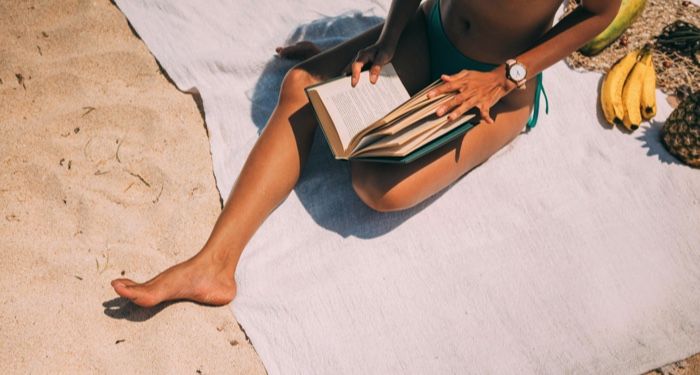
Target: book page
417,102
353,109
401,150
417,114
414,131
411,117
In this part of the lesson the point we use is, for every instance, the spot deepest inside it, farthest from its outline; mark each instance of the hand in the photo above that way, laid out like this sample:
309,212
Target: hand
377,54
475,89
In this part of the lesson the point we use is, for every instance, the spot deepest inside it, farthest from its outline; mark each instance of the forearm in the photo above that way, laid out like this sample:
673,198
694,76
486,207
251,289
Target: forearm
570,34
400,13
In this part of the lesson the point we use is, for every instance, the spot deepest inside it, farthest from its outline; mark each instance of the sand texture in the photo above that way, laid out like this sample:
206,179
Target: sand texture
104,169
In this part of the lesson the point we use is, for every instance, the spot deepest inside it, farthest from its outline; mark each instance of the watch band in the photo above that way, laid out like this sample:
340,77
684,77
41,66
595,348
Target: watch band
521,82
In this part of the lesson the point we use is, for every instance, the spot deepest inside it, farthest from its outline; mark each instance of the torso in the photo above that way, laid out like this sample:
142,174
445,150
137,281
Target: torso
494,31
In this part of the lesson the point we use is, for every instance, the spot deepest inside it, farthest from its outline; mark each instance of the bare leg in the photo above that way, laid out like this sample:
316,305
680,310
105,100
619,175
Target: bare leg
269,174
386,187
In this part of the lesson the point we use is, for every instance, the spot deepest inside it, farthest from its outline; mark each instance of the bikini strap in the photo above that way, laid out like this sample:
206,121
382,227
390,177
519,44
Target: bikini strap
539,91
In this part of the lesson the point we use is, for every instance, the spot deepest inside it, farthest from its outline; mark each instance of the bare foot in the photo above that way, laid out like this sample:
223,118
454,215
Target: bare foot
298,51
198,279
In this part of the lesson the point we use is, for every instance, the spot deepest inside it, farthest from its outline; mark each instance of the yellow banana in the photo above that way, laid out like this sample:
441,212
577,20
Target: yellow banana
611,90
648,102
628,12
606,103
632,94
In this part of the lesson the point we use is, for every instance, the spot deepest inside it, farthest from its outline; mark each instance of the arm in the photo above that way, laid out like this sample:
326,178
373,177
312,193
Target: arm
382,51
570,34
483,90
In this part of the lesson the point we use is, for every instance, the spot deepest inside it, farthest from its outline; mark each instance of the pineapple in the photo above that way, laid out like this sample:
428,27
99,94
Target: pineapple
681,133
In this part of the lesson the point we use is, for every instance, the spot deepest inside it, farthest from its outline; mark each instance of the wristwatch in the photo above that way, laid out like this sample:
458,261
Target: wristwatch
516,72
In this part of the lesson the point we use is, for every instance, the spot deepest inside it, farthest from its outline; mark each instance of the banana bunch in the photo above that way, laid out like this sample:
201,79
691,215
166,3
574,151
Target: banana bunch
628,95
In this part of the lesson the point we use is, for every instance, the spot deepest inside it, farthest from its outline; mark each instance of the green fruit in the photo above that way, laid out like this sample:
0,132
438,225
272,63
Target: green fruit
629,11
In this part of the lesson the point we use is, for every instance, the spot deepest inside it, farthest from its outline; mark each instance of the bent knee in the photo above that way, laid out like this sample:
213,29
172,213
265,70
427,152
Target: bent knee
294,83
381,199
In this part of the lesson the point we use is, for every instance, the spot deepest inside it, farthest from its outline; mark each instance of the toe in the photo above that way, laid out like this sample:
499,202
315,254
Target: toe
123,287
123,282
298,51
138,294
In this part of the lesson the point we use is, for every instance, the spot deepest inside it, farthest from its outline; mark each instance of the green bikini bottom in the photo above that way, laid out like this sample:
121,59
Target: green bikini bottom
445,58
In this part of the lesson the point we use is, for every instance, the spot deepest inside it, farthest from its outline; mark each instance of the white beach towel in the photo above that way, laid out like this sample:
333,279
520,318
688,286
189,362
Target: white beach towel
575,249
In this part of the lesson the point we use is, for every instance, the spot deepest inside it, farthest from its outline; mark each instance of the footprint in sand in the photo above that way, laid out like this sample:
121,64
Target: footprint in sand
119,153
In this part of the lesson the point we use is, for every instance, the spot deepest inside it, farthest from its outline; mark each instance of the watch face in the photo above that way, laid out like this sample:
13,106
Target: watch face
517,72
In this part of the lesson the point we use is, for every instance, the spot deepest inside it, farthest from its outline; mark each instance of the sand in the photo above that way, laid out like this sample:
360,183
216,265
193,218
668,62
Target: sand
104,171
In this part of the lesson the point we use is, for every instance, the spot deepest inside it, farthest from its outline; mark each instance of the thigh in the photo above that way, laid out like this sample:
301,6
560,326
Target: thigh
411,58
410,184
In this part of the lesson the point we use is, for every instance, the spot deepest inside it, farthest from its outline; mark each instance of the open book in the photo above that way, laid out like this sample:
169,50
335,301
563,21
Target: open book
381,122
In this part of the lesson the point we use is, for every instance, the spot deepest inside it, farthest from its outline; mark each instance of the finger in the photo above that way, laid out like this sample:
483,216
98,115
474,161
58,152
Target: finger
459,75
459,111
374,73
455,101
485,115
445,108
445,87
356,68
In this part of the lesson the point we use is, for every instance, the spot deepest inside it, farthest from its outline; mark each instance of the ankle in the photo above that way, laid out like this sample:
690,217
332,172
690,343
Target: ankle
219,258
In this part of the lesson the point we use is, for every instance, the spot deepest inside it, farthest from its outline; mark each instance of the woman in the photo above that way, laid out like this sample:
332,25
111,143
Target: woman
491,52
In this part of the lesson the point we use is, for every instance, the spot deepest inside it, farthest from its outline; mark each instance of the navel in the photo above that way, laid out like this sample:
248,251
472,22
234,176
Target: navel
466,25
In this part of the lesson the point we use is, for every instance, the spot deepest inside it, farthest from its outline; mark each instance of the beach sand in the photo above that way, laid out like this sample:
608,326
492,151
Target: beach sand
104,171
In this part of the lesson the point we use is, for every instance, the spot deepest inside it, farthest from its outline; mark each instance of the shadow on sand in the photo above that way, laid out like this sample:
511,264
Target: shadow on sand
325,188
122,308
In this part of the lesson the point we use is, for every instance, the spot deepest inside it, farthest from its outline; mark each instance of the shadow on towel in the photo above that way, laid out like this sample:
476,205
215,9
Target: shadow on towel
324,188
651,136
325,32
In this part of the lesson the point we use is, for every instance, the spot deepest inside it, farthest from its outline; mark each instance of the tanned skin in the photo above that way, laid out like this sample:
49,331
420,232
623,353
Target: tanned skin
489,31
